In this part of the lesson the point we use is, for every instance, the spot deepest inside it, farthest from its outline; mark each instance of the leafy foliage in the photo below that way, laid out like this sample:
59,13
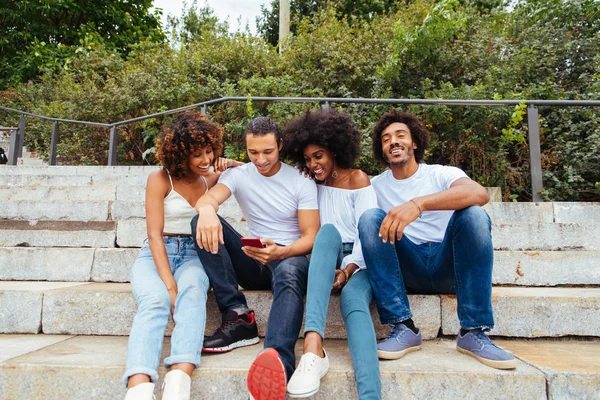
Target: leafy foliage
434,49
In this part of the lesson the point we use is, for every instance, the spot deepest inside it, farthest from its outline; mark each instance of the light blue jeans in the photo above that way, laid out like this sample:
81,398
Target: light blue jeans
327,254
154,307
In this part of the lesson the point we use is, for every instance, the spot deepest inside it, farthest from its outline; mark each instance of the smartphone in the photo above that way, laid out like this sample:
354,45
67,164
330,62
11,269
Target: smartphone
252,242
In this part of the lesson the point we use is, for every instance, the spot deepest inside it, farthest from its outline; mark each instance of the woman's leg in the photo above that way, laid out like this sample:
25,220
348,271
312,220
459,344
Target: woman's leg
326,254
148,328
190,309
356,298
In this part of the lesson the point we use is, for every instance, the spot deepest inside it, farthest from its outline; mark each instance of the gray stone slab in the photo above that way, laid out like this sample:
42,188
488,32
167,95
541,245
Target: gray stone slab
580,213
131,193
70,368
121,210
12,346
46,194
512,213
572,368
21,305
495,194
131,232
546,268
108,309
113,265
47,180
536,312
56,210
46,264
57,233
553,236
127,180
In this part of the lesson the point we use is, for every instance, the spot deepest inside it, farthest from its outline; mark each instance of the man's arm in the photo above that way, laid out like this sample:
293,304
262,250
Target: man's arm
462,193
309,223
209,232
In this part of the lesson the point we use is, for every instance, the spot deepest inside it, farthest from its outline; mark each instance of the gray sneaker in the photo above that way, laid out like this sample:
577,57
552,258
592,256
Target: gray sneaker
400,342
477,344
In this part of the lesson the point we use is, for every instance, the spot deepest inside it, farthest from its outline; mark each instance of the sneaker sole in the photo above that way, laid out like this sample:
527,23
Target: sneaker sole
302,395
507,364
266,378
394,355
225,349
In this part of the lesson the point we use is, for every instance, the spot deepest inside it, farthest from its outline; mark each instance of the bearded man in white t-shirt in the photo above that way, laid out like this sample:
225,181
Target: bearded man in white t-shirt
429,236
281,208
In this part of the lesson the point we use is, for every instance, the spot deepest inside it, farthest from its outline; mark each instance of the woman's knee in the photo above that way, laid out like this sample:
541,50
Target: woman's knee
154,302
329,235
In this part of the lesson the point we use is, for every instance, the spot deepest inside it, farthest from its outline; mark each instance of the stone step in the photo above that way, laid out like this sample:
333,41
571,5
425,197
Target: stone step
59,210
45,194
522,268
61,367
57,233
116,171
108,309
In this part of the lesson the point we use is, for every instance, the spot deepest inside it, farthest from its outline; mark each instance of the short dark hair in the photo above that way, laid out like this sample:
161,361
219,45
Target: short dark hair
191,131
263,125
328,128
418,133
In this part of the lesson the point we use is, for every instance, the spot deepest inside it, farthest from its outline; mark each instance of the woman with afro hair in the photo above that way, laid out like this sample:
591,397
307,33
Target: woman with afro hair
325,145
167,277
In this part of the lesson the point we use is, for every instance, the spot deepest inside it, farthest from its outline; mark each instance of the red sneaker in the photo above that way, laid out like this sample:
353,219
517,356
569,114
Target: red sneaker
266,378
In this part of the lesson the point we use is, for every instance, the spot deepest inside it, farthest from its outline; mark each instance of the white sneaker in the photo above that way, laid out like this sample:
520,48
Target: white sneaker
143,391
177,385
307,378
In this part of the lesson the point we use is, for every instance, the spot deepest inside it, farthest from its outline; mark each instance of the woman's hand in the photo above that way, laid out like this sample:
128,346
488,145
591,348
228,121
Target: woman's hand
173,296
222,164
339,281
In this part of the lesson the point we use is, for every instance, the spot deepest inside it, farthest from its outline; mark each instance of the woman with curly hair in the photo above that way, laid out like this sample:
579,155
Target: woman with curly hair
167,277
325,144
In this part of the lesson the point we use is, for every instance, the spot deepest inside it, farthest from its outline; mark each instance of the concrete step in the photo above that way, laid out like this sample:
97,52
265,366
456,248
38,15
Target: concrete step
108,309
59,210
80,170
45,194
57,233
59,367
522,268
41,367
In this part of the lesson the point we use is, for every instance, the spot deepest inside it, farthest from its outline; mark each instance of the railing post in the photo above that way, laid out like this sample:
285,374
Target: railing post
325,105
54,143
112,150
535,153
204,109
20,137
12,149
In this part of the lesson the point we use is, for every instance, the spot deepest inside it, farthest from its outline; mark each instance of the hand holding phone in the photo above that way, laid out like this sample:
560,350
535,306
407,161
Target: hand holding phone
252,242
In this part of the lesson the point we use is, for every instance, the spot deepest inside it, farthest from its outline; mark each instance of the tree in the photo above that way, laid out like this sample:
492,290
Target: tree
268,22
40,35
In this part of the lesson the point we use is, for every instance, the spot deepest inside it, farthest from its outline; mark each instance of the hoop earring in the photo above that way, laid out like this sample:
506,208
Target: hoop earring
334,174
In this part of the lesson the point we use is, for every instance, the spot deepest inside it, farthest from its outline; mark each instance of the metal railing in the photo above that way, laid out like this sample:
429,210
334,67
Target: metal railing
17,139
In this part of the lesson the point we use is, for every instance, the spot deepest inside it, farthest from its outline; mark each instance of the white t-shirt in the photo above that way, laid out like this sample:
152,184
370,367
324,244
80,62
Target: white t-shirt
342,208
271,204
428,179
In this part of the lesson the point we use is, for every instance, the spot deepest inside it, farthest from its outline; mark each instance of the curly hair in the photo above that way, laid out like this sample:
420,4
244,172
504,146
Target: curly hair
328,128
191,131
418,133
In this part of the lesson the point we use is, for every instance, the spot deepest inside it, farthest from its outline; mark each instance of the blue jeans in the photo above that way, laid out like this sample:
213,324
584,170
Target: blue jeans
461,264
327,254
231,268
154,307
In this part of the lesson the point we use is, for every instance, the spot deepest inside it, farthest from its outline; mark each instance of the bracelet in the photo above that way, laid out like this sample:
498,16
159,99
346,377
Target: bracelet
347,275
415,203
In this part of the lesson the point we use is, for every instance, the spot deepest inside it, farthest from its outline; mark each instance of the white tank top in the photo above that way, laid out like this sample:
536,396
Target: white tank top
178,212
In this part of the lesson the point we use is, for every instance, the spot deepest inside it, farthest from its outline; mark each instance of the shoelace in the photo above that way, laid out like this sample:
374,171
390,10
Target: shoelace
483,339
306,366
398,330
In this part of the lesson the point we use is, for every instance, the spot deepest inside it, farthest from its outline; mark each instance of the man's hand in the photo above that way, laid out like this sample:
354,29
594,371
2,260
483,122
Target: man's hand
209,231
397,219
266,255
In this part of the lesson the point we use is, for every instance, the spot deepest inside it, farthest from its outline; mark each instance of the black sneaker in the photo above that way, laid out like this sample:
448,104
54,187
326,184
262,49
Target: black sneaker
235,331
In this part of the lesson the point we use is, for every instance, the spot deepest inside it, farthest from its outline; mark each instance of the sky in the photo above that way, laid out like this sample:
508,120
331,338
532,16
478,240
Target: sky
248,10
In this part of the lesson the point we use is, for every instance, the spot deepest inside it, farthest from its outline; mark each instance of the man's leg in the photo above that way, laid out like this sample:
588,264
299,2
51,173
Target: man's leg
275,365
466,256
388,278
224,269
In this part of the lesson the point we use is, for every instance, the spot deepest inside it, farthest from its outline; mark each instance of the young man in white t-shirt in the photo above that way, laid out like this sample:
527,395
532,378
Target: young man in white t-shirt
281,208
429,235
